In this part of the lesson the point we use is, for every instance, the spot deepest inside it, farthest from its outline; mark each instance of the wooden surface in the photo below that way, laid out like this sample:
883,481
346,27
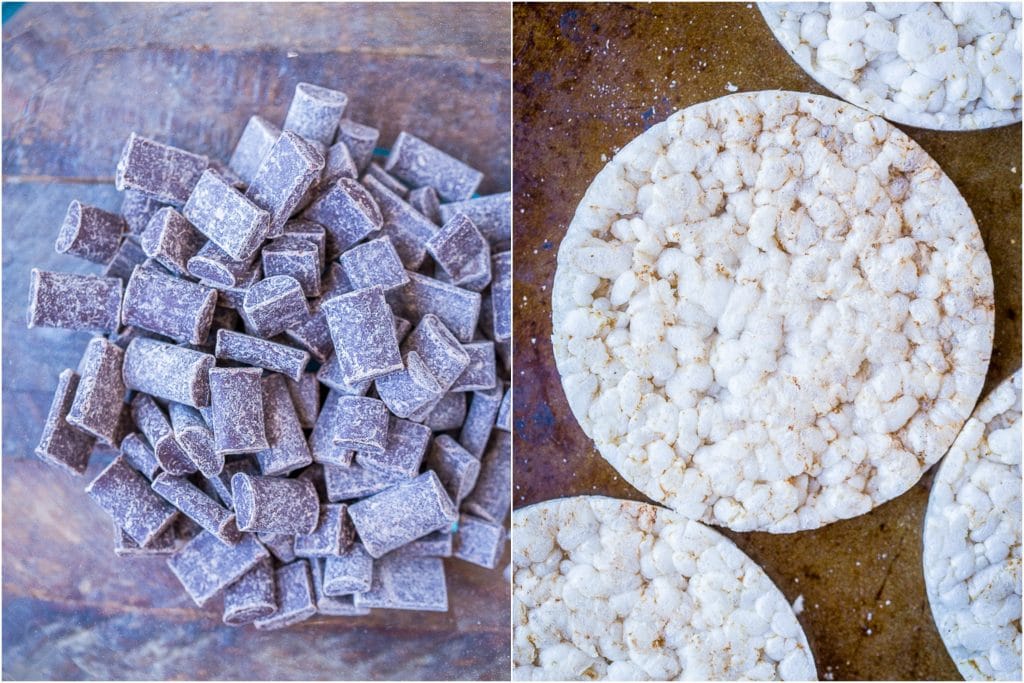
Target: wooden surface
77,79
587,80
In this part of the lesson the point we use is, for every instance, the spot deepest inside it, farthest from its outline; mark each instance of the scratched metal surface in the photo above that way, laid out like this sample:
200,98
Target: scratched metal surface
588,79
76,80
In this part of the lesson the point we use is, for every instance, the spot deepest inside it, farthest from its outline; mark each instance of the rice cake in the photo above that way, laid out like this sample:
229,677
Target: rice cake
945,66
620,590
972,540
772,311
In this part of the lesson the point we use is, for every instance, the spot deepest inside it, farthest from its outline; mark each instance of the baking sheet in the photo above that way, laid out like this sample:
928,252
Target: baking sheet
589,78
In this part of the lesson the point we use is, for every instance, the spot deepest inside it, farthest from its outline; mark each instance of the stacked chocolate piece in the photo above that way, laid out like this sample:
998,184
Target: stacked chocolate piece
303,361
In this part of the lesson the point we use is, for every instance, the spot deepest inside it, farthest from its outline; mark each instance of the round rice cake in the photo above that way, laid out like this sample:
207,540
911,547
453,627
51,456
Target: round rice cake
972,540
945,66
772,311
620,590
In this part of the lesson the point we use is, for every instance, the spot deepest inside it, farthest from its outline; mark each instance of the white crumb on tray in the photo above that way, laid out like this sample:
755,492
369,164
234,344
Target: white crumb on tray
730,87
617,590
798,605
772,311
940,65
972,540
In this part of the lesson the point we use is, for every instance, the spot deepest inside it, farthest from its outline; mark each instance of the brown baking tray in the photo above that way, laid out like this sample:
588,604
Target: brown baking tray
589,78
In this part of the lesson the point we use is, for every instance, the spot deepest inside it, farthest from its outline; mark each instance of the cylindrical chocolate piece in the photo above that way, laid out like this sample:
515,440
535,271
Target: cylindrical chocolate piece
262,353
295,599
252,597
363,330
74,302
438,349
213,264
196,439
128,255
375,170
347,211
168,305
482,372
459,309
151,420
274,304
462,254
165,173
402,513
275,505
291,167
205,566
282,546
418,163
491,214
224,215
136,209
349,572
362,424
504,419
296,257
139,455
456,467
165,544
332,536
317,234
375,262
62,444
198,507
125,495
257,138
322,442
448,413
424,199
90,233
483,412
237,400
492,494
315,112
170,372
313,334
338,163
501,297
410,390
360,139
305,395
479,541
170,239
288,448
99,398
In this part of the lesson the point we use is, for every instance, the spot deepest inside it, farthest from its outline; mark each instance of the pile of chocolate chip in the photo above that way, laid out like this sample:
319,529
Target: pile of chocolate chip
303,360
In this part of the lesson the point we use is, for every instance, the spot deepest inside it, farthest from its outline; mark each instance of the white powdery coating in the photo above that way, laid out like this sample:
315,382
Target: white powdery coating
939,65
972,540
772,311
619,590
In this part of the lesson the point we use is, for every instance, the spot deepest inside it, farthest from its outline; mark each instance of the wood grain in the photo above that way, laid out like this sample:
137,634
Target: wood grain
71,107
77,80
474,31
70,605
